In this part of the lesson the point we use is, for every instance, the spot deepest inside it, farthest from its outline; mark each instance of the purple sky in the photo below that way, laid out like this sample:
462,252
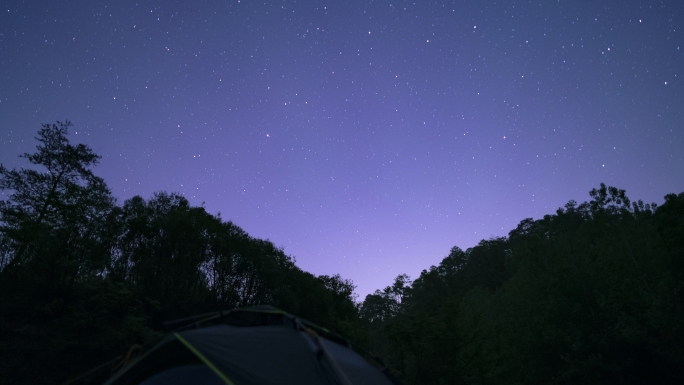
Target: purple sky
364,137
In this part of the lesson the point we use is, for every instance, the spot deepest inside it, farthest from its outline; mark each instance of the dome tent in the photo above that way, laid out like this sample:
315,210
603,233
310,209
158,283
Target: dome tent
253,346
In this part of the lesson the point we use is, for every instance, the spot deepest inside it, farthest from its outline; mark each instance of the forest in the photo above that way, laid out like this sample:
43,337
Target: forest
592,294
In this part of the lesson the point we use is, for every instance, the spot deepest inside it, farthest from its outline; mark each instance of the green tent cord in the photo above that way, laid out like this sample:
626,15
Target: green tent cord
204,359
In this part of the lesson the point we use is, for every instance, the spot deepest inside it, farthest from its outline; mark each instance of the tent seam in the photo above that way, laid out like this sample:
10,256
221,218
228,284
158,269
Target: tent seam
204,359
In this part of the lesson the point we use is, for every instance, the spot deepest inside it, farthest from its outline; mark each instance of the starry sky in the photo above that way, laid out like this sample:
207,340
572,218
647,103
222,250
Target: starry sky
366,138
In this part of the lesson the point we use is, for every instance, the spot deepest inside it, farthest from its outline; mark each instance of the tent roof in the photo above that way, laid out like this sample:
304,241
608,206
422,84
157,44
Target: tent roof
261,345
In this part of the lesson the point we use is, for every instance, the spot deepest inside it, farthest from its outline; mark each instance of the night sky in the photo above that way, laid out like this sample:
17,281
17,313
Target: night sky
366,138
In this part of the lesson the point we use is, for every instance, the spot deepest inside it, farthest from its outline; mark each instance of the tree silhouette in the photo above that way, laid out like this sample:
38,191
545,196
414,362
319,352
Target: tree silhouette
54,219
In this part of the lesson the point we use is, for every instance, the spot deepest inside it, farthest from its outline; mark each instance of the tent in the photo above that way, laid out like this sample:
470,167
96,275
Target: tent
261,345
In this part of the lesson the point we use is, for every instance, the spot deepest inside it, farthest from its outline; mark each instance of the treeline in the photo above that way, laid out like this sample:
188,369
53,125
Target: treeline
593,294
83,279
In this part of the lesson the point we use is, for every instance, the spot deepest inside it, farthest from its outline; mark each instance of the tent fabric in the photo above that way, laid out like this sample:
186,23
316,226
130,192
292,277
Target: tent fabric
261,346
186,375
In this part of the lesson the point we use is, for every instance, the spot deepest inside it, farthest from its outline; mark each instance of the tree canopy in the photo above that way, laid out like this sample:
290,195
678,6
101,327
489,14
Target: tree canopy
591,294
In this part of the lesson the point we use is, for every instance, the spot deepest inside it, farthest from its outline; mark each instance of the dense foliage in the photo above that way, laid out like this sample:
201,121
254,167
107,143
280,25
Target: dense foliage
83,279
591,295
